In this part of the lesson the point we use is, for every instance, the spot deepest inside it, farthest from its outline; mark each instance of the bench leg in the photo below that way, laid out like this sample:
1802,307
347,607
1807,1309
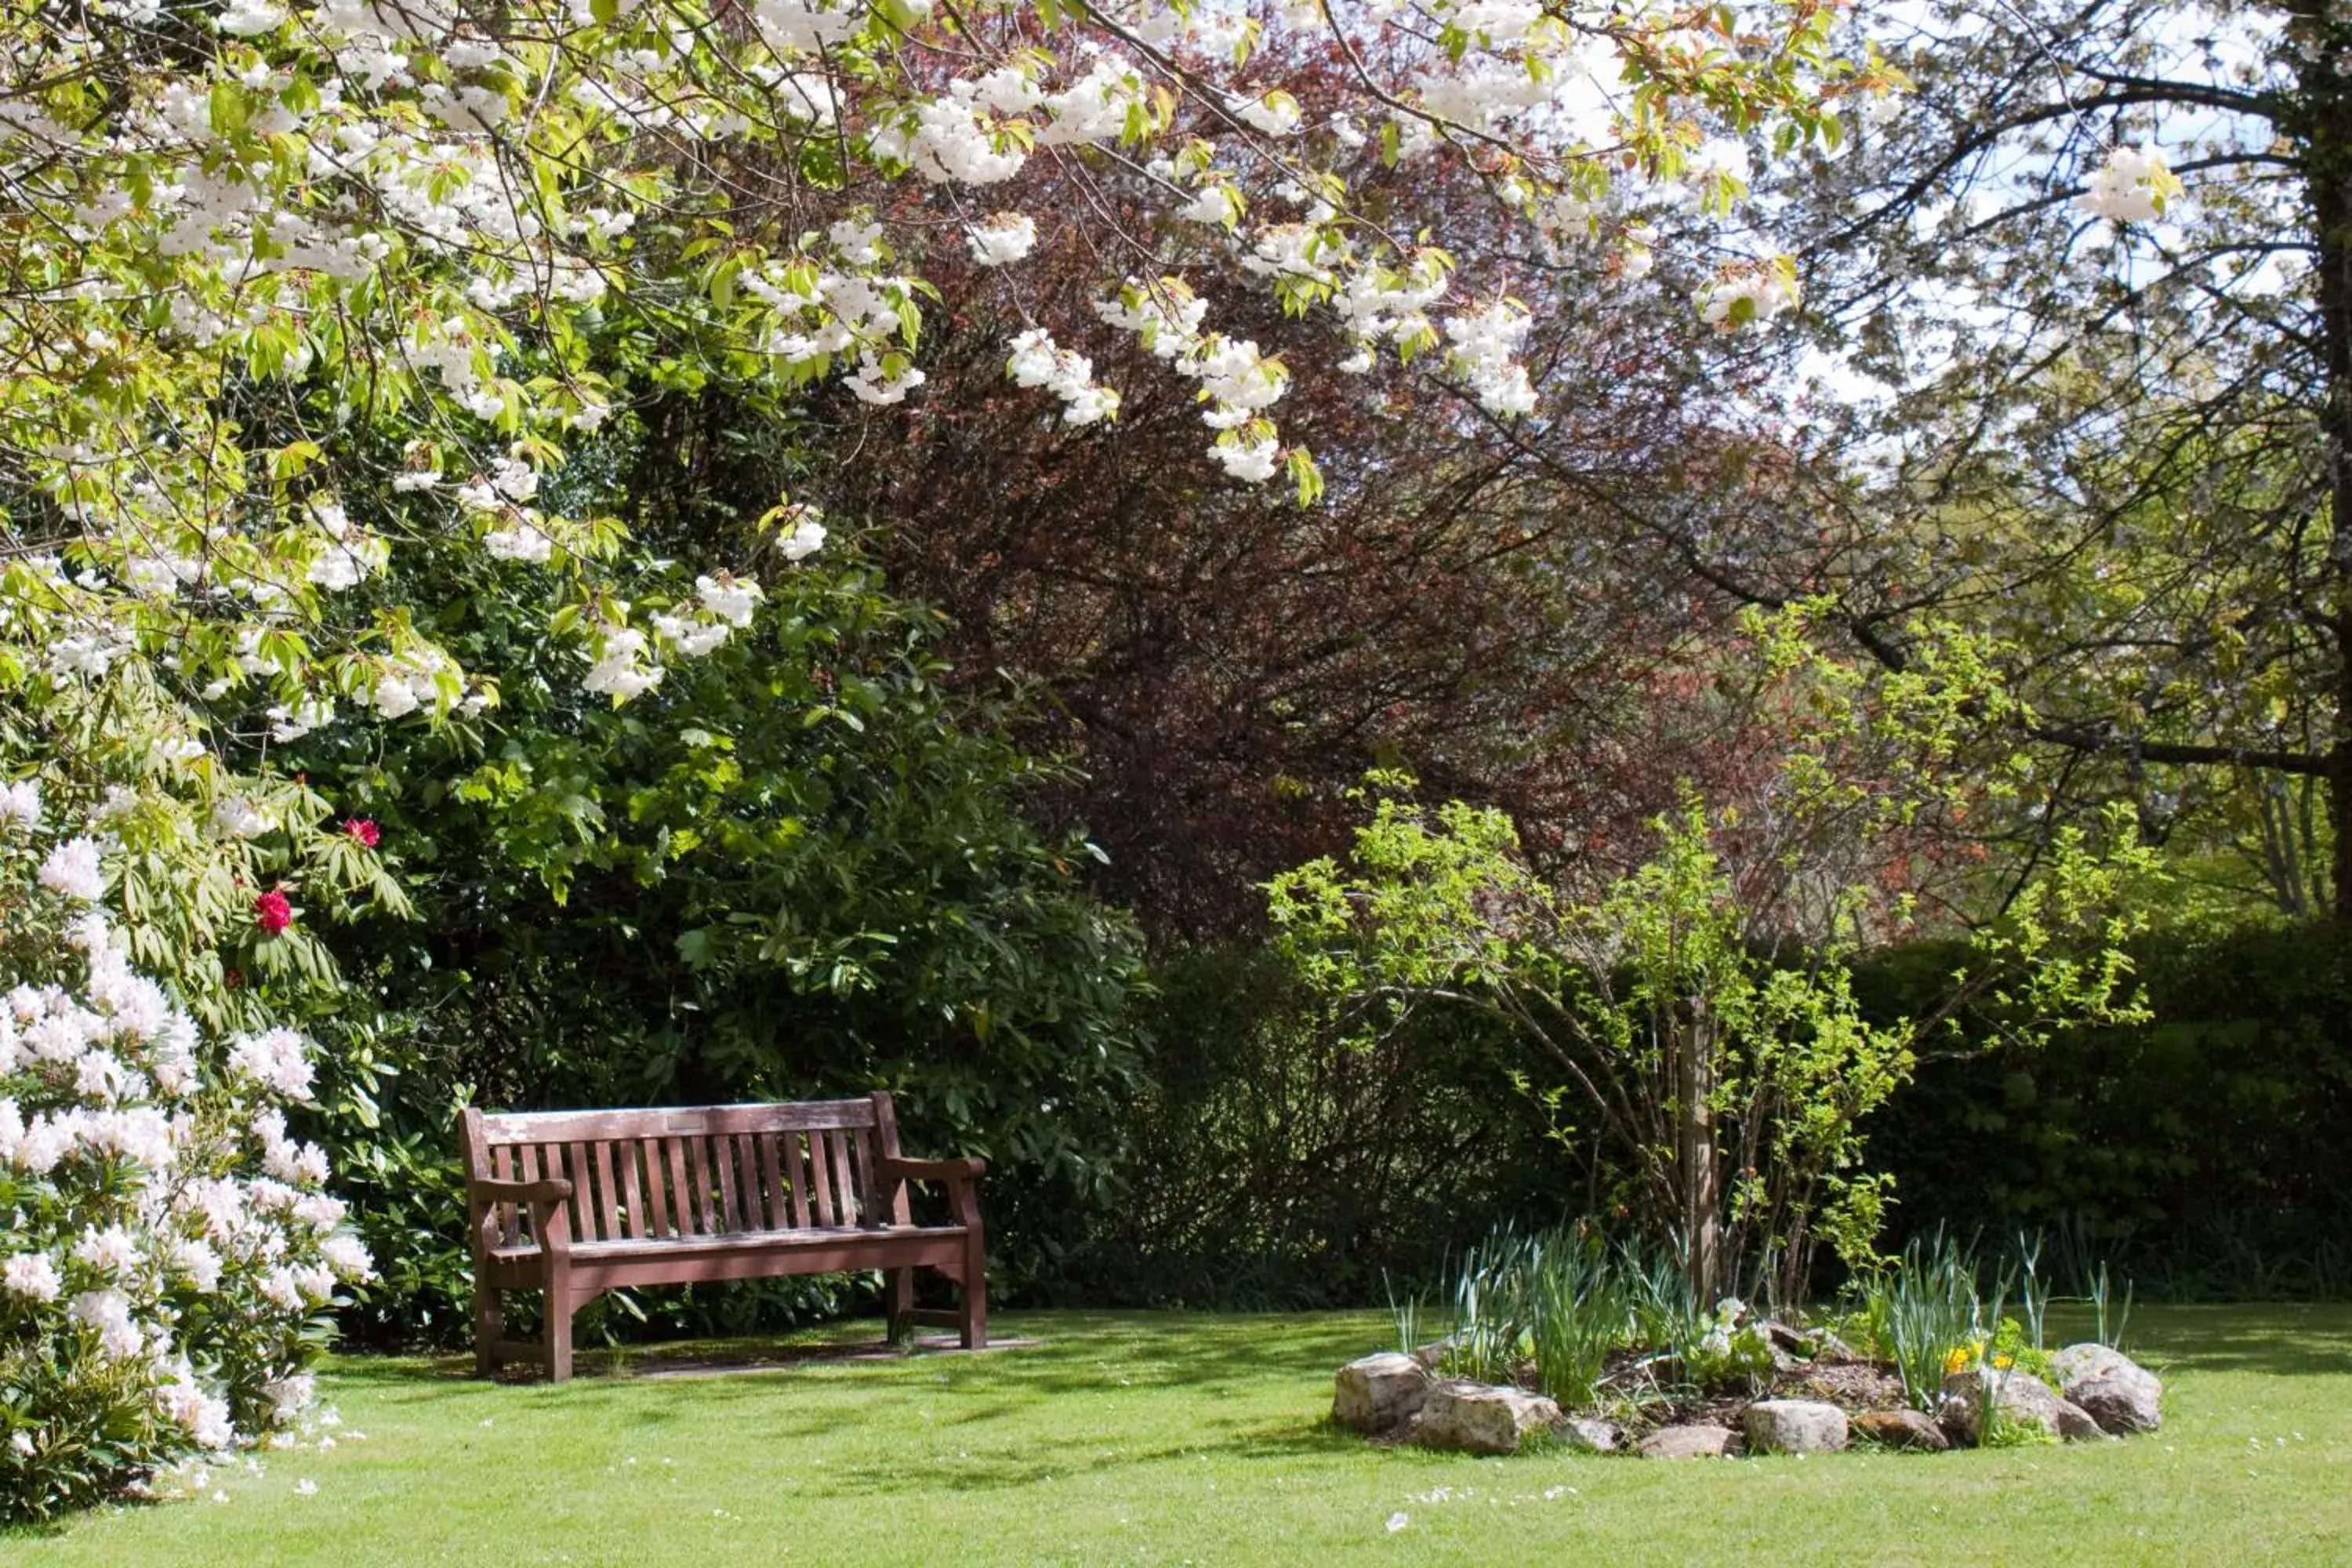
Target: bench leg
975,1293
899,1300
489,1323
557,1334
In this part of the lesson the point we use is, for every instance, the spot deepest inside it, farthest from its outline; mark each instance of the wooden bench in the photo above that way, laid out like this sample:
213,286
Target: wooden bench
573,1202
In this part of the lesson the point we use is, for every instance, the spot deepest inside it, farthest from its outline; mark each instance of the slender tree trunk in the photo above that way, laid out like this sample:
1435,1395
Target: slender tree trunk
1695,1152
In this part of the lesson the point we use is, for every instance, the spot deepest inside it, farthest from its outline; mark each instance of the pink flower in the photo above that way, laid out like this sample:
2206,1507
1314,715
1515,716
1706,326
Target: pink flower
365,831
272,912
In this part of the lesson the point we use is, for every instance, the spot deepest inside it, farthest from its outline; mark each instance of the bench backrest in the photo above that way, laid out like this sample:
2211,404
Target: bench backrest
708,1170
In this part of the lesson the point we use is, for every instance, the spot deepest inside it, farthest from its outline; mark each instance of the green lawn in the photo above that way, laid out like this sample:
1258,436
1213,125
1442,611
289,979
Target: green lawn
1167,1438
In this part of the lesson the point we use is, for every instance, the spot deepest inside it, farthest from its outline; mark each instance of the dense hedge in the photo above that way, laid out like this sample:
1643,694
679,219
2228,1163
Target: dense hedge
2208,1152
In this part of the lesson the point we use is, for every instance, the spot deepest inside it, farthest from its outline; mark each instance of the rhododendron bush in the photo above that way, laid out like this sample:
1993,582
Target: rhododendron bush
165,1246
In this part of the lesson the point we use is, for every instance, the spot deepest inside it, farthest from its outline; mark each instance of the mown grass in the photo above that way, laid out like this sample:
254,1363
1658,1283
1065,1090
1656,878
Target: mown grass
1169,1438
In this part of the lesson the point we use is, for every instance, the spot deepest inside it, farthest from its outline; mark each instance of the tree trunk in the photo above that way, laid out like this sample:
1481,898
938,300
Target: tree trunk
2321,121
1695,1155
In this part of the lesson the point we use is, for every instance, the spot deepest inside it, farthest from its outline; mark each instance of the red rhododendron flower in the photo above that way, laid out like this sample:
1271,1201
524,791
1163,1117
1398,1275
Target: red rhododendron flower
365,831
272,912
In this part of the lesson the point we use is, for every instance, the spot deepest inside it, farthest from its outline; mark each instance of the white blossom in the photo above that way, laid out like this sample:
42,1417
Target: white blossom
72,870
2132,186
20,805
30,1275
1004,237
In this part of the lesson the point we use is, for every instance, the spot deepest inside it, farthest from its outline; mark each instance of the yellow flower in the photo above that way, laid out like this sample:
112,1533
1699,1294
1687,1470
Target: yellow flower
1957,1361
2001,1363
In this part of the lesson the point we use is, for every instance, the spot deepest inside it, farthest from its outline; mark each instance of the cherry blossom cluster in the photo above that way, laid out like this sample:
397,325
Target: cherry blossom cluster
2134,186
165,1239
417,215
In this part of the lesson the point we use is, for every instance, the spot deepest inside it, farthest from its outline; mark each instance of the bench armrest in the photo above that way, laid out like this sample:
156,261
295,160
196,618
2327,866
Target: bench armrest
961,1170
492,1190
550,1222
962,1175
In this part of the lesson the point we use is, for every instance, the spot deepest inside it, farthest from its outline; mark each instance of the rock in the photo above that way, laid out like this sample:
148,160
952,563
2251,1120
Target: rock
2119,1394
1699,1442
1380,1393
2023,1397
1591,1434
1794,1426
1902,1430
2077,1425
1480,1418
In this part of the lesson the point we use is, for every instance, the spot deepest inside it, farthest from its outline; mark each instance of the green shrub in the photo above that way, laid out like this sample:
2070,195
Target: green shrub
800,868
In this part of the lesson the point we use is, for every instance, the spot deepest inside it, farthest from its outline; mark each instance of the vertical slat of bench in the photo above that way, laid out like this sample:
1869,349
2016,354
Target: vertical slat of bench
860,1145
608,1200
526,1170
633,1192
768,1197
681,1196
502,1169
771,1182
697,1175
656,1189
588,1206
752,1207
722,1156
844,1180
710,1167
820,1208
788,1146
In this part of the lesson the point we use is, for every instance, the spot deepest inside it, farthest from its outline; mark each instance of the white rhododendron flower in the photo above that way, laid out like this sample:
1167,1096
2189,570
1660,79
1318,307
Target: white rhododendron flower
20,805
31,1275
166,1224
72,869
239,818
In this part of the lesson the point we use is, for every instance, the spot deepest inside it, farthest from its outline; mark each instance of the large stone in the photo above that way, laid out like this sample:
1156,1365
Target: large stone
1794,1426
1592,1433
1481,1418
1695,1442
2120,1394
2022,1398
1380,1393
1902,1430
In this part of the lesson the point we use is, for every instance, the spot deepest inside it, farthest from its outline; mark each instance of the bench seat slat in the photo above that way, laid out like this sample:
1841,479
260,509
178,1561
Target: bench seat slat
745,1241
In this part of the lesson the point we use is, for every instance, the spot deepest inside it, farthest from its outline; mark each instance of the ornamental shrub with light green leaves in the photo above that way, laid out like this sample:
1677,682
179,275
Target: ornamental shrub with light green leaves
1727,1086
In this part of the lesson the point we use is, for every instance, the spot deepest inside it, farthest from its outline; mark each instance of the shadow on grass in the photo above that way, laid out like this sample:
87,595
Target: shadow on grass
2278,1341
1062,1351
